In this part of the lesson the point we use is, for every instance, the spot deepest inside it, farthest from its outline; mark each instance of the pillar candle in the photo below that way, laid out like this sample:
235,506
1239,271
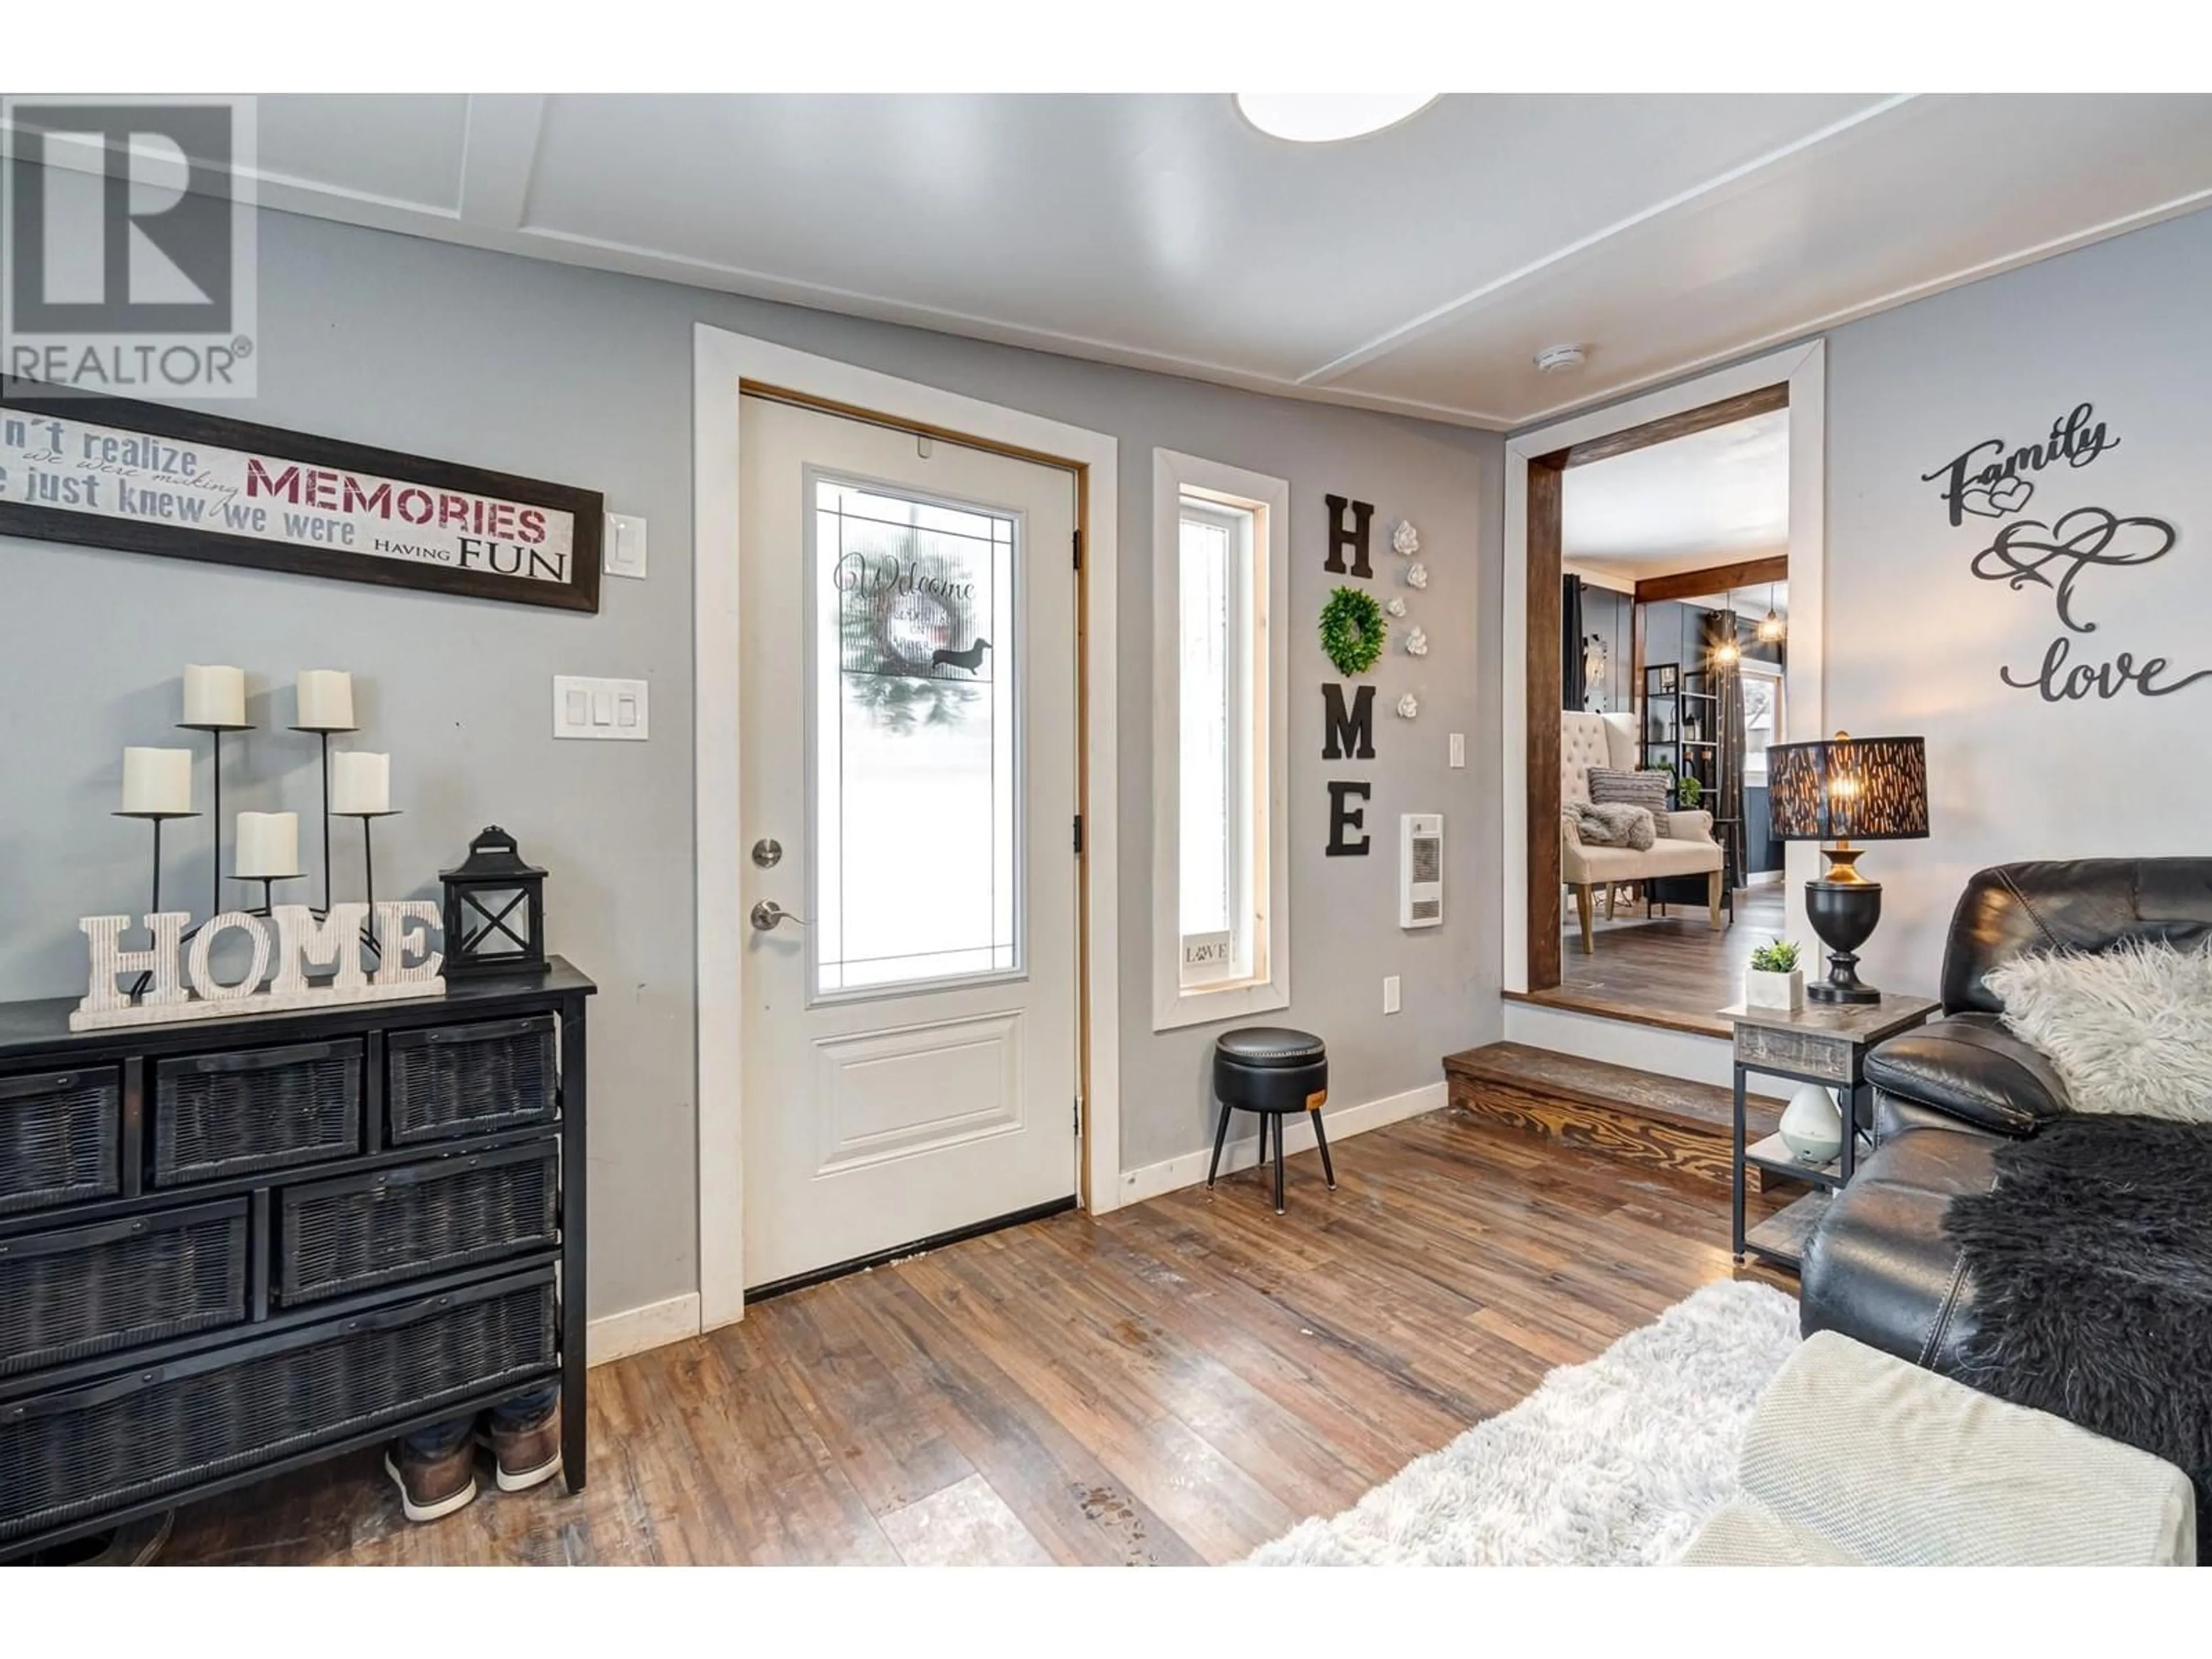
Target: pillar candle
157,779
268,844
359,782
214,696
326,699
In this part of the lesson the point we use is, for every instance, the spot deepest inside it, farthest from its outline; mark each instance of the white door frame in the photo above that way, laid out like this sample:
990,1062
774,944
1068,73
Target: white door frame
1805,369
721,363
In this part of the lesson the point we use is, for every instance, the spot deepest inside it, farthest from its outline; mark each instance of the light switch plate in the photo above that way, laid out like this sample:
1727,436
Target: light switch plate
1459,749
1390,993
613,709
623,552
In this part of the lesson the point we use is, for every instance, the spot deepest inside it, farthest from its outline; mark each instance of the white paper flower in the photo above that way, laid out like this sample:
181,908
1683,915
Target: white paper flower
1416,643
1408,706
1405,539
1396,607
1417,575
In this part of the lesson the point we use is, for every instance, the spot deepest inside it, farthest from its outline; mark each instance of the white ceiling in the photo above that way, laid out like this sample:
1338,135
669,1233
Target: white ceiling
1719,496
1417,270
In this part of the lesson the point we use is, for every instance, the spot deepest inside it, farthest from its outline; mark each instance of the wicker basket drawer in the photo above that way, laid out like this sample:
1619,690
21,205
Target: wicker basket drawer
218,1116
127,1438
466,1079
60,1138
392,1225
89,1290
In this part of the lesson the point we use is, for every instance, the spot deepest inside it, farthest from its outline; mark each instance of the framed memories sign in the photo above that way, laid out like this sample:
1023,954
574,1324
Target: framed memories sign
147,478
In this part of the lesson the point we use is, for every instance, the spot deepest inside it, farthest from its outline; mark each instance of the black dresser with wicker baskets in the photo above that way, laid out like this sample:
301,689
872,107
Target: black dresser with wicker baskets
235,1246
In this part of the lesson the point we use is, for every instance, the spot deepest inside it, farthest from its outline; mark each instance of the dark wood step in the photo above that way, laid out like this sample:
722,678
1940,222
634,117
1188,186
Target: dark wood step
1638,1117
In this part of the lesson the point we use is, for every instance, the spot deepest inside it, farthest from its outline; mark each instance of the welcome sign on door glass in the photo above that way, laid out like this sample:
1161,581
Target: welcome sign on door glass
916,808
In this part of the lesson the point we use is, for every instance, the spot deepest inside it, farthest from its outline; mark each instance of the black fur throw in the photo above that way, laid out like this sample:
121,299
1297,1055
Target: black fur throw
2091,1260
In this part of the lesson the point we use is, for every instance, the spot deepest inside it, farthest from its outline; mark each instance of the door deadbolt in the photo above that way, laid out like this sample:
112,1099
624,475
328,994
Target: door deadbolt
767,852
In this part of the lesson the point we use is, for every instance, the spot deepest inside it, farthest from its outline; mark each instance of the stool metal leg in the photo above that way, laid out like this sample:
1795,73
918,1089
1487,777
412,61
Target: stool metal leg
1220,1139
1278,1116
1320,1140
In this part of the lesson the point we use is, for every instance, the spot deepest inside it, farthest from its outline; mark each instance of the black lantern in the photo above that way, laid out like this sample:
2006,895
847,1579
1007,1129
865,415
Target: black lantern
495,910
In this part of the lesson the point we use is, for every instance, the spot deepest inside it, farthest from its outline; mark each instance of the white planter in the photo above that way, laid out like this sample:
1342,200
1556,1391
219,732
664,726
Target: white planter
1785,991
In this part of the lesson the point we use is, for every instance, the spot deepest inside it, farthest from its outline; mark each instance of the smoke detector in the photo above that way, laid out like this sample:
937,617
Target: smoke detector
1559,359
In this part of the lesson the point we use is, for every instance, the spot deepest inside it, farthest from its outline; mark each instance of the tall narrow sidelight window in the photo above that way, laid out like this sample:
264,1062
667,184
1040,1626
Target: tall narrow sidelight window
1220,922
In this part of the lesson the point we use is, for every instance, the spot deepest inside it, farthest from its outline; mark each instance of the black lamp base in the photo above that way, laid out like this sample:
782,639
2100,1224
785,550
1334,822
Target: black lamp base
1844,914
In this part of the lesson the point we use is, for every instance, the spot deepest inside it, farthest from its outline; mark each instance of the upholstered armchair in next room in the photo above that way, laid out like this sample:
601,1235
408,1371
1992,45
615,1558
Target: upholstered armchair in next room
1685,846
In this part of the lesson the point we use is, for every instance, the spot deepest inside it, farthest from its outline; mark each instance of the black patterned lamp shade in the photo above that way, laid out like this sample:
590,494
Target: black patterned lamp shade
1847,788
495,910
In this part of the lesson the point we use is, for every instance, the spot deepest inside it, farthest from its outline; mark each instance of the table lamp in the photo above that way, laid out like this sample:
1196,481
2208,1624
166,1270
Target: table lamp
1843,790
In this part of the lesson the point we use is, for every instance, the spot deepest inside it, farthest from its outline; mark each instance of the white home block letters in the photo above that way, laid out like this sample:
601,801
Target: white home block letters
292,938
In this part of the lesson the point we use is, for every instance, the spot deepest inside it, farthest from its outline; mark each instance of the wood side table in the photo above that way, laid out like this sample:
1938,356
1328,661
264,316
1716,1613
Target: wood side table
1821,1043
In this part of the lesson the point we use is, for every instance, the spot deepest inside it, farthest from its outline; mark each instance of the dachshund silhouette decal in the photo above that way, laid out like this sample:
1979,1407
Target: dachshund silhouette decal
971,659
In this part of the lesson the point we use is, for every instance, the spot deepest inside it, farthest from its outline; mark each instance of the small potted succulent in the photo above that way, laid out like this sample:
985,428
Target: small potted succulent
1775,980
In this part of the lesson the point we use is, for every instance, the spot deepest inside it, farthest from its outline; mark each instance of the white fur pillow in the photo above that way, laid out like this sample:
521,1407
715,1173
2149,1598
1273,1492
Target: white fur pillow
2129,1029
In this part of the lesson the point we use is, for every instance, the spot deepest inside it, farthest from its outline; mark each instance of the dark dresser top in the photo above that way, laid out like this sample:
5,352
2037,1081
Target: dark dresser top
37,1029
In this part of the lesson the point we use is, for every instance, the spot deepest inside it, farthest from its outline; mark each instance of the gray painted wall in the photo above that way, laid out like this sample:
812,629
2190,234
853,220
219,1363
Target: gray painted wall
1916,640
586,378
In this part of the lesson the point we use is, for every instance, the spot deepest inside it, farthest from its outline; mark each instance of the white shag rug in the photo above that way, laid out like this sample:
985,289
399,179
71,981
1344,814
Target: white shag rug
1617,1463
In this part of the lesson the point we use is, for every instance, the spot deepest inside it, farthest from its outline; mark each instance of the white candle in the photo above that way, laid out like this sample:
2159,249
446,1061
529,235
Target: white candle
157,779
359,782
268,844
214,696
326,699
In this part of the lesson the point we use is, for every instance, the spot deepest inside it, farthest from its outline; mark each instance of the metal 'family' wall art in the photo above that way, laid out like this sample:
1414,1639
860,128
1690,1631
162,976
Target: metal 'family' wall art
1997,480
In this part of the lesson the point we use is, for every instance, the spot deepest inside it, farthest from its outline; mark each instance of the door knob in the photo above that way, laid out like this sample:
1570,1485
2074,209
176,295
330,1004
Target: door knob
768,914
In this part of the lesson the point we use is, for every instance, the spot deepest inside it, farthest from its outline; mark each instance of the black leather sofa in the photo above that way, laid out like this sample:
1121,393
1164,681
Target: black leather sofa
1878,1267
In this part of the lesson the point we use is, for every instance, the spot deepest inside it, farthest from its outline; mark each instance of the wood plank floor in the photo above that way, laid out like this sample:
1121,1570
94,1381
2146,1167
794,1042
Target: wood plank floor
1674,972
1178,1382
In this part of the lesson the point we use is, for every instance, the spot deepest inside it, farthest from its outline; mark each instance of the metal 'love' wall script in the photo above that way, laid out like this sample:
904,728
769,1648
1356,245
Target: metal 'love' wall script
1993,479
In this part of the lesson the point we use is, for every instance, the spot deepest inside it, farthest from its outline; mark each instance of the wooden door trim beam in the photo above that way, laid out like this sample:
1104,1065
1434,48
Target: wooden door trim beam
1715,579
1742,407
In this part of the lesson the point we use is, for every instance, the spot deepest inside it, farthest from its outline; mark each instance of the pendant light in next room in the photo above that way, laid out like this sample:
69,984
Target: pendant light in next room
1726,652
1772,629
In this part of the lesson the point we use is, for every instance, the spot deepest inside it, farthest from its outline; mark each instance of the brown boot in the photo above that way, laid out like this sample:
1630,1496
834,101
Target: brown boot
432,1487
529,1457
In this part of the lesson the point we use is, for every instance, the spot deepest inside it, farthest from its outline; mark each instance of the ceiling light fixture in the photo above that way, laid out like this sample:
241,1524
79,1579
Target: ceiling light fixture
1726,652
1559,359
1772,630
1325,118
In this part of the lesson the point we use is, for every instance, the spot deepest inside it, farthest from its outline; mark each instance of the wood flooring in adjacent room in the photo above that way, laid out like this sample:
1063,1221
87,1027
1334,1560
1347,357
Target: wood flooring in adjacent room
1177,1382
1676,970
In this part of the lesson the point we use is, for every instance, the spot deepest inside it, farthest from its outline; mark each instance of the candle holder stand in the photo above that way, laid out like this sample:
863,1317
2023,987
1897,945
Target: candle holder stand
157,819
268,906
215,863
323,732
368,878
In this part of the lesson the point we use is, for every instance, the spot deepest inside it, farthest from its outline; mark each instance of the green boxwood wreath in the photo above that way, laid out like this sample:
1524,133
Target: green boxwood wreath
1352,630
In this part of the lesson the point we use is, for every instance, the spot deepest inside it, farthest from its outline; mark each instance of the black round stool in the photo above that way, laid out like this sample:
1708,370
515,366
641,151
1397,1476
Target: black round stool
1273,1071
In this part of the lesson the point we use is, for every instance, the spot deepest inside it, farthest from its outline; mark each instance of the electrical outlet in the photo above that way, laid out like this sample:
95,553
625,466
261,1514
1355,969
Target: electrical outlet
1459,749
1390,993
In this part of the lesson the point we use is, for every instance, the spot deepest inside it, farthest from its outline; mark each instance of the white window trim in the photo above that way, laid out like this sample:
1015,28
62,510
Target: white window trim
1173,474
1760,669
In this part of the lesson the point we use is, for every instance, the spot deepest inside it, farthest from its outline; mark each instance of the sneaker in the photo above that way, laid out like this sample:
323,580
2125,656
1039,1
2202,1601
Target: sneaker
527,1457
431,1488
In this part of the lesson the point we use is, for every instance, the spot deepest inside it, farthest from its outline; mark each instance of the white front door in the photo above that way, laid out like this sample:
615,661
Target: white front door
908,790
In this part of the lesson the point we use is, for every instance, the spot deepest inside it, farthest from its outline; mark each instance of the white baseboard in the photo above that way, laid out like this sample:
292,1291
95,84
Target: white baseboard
655,1325
1189,1170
